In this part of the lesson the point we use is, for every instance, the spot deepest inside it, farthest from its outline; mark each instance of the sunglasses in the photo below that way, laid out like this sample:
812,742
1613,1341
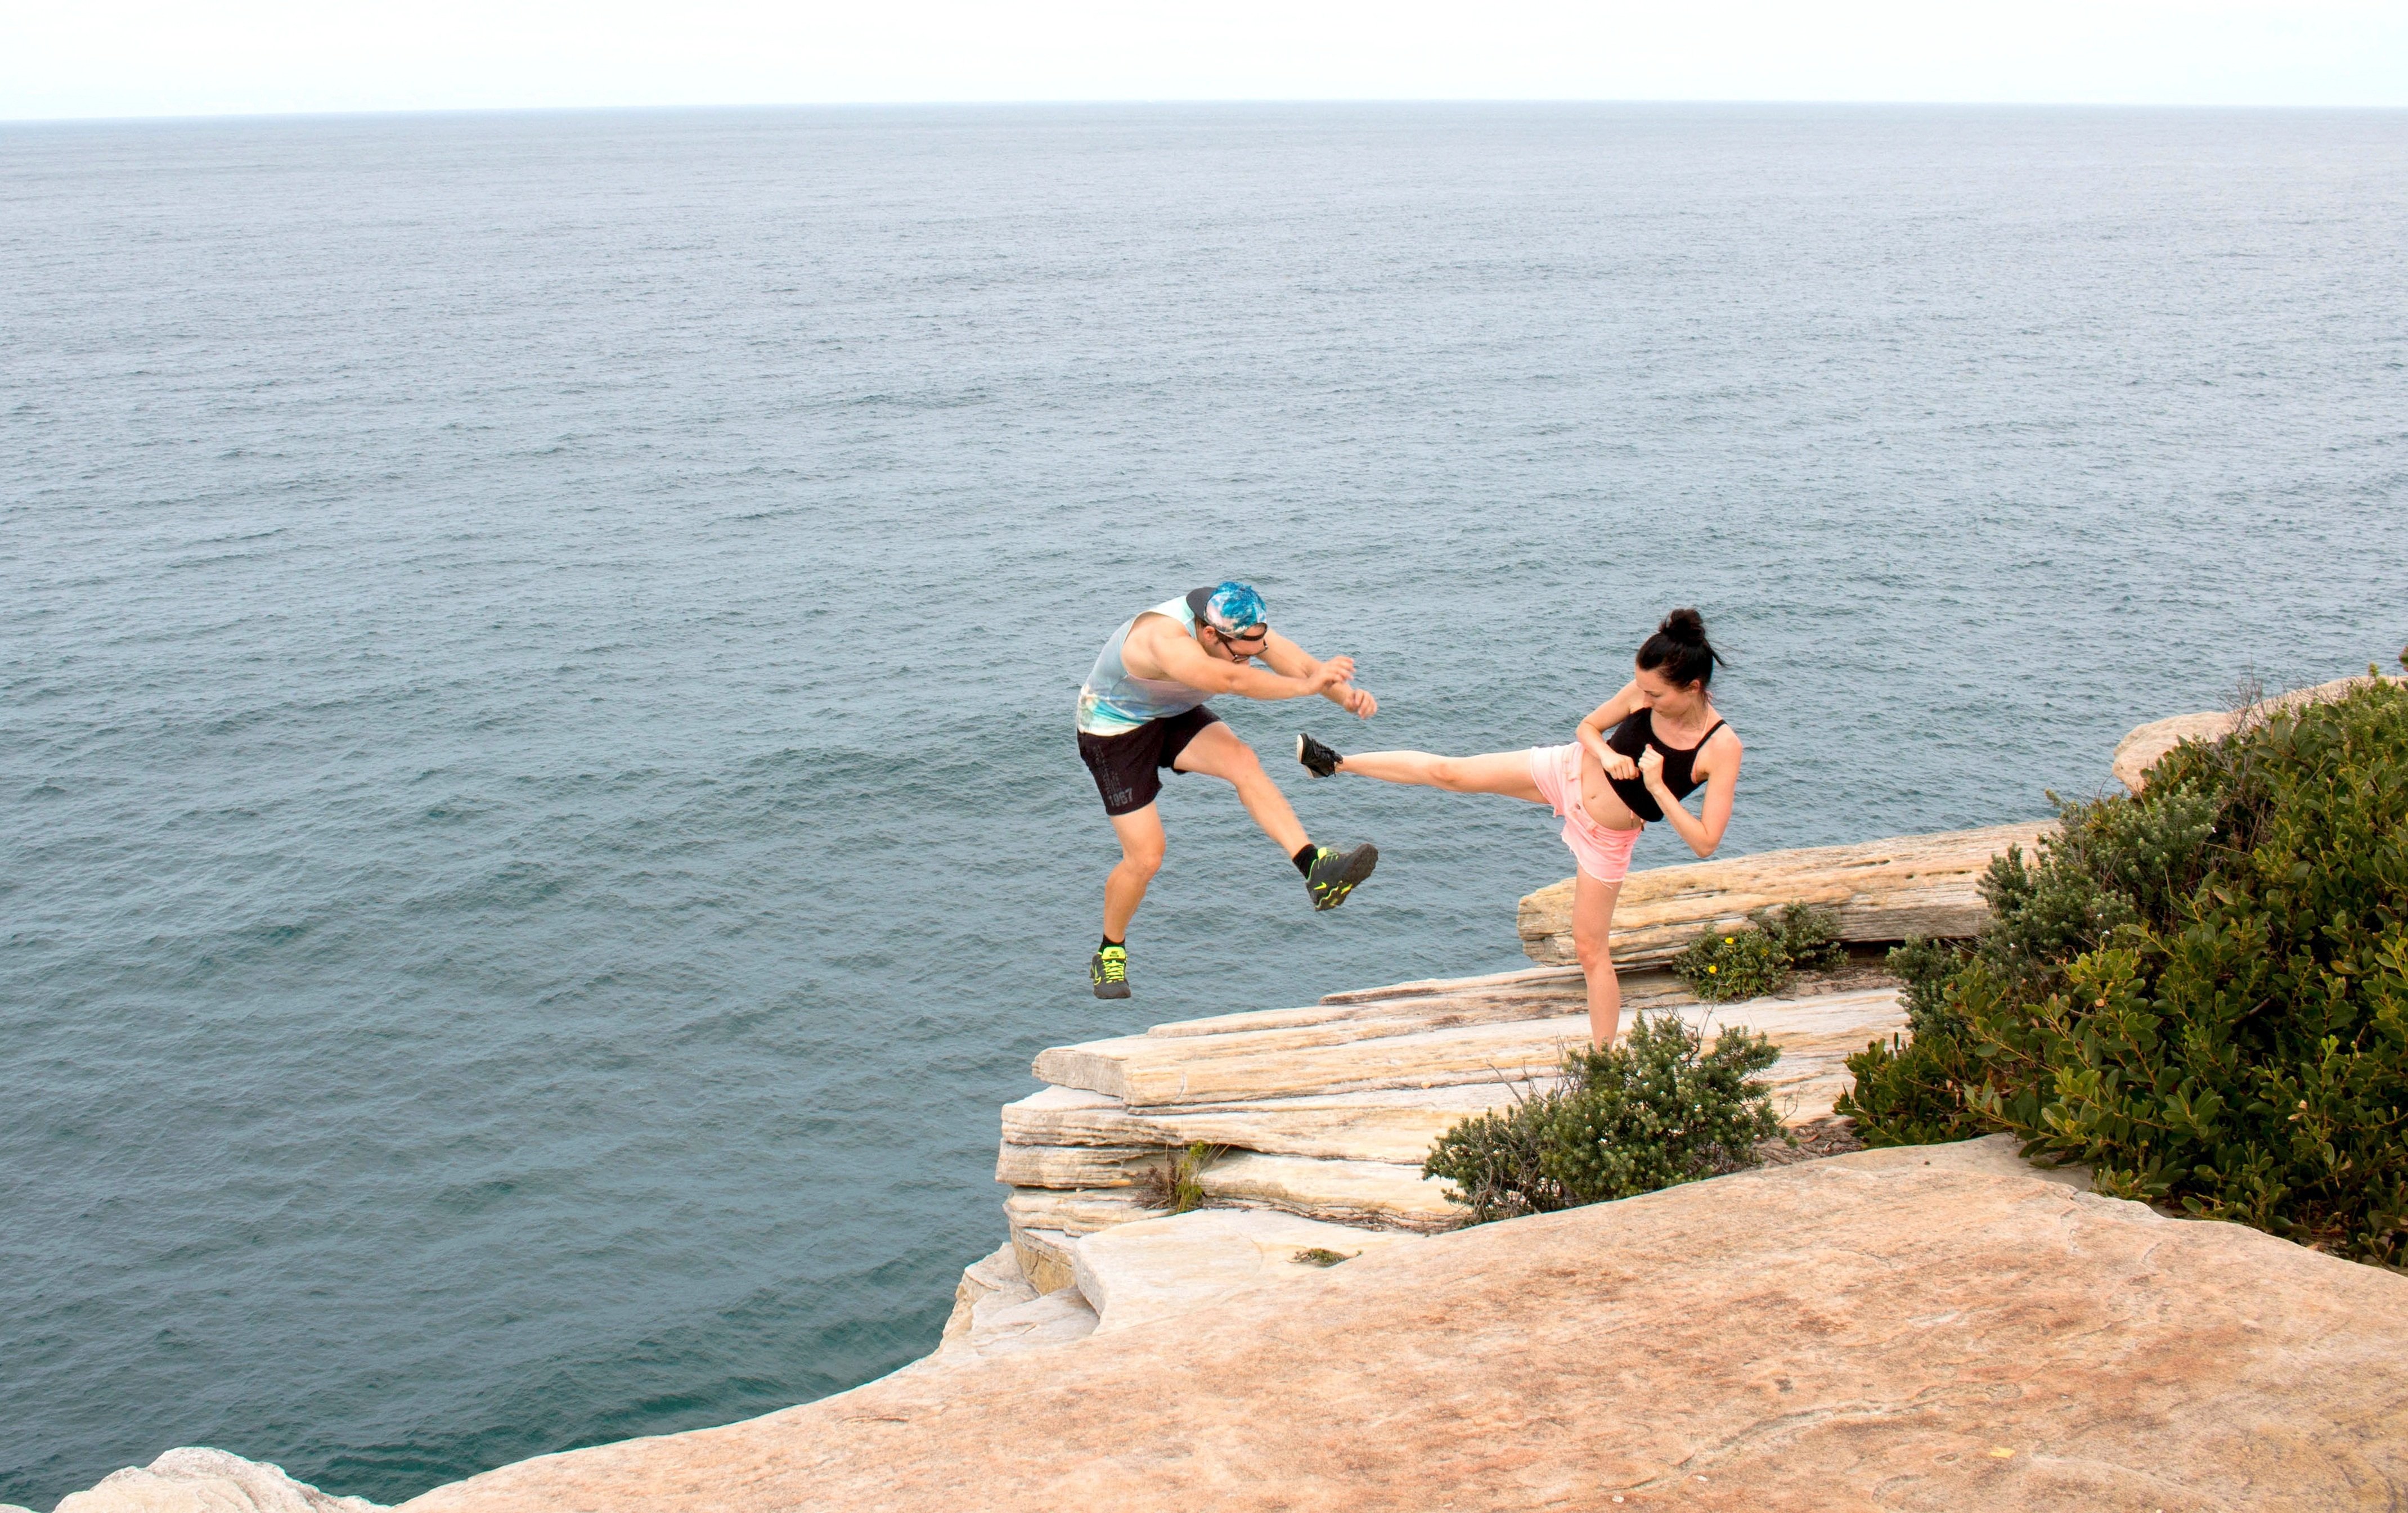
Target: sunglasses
1261,632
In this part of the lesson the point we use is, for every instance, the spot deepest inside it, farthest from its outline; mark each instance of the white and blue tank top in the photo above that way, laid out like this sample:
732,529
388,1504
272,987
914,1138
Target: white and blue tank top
1113,703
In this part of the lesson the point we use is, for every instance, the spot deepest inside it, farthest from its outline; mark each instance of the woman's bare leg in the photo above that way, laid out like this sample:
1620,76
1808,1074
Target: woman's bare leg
1592,921
1499,772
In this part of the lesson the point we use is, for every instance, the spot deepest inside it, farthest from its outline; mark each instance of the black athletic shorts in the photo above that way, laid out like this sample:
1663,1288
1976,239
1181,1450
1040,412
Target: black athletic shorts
1127,766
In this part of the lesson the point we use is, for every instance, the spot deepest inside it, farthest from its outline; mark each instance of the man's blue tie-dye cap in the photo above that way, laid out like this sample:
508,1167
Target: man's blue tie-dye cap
1235,608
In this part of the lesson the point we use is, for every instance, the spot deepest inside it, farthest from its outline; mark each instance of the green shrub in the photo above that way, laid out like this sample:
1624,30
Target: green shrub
1497,1161
1757,957
1911,1092
1908,1091
1652,1111
1925,967
2202,993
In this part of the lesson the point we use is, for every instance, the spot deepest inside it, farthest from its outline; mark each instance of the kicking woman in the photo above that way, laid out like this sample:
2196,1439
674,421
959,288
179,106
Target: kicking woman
1665,741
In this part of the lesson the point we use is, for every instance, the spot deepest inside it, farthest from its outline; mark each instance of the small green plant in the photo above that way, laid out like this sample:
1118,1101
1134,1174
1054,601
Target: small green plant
1656,1110
1178,1183
1316,1256
1757,957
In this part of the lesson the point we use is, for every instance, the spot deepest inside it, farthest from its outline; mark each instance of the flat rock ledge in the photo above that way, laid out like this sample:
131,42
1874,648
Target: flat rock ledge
1879,891
1926,1328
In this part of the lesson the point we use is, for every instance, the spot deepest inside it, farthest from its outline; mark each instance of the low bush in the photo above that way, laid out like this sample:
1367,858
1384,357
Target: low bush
1657,1109
2201,993
1759,958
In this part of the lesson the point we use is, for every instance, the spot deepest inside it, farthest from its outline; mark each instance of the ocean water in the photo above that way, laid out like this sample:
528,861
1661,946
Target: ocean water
537,792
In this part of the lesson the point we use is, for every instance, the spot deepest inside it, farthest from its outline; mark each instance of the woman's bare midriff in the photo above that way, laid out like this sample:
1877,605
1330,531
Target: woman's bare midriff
1604,805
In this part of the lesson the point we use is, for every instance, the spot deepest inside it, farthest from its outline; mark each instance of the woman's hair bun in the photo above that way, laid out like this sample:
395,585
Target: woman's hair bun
1678,650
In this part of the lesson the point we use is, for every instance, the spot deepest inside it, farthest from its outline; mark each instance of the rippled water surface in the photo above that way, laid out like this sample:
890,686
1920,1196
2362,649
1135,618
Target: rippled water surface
536,778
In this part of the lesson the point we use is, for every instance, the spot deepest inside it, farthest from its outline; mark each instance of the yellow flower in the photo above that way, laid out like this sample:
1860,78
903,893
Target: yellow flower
1713,969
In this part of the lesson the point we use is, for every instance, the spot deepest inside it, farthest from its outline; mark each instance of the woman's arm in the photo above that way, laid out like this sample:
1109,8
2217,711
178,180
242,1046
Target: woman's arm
1722,785
1612,712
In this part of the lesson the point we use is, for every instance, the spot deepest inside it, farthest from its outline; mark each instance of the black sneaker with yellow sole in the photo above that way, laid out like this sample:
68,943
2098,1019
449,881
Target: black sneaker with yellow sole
1334,874
1108,972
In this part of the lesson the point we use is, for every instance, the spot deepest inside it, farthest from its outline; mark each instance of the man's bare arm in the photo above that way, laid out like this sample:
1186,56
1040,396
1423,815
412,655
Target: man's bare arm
1182,661
1288,657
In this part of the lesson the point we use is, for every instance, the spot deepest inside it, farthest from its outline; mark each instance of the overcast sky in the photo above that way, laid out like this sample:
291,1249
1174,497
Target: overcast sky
67,58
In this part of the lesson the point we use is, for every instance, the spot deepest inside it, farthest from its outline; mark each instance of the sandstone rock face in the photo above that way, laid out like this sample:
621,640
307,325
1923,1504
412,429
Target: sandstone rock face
998,1275
998,1311
1929,1328
1396,1124
1142,1273
197,1480
1046,1256
1881,891
1004,1326
2140,750
1356,1191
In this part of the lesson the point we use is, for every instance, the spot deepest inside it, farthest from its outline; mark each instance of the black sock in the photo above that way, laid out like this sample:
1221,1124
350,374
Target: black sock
1110,942
1303,858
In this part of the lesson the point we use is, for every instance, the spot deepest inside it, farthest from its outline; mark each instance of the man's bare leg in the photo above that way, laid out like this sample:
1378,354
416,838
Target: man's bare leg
1217,752
1499,772
1141,846
1592,921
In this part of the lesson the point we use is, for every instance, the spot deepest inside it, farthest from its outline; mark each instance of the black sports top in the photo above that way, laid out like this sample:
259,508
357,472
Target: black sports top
1636,735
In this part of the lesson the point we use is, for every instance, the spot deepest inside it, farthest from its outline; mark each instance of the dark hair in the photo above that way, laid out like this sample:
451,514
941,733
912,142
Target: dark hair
1678,650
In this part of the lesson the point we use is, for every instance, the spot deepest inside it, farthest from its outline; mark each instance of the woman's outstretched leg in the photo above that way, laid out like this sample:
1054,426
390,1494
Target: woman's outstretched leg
1592,925
1499,772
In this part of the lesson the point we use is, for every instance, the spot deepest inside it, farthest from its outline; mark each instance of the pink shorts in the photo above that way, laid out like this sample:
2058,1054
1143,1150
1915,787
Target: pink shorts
1603,854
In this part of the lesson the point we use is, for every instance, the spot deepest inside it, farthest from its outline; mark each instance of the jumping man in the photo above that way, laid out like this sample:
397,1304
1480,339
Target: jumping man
1142,709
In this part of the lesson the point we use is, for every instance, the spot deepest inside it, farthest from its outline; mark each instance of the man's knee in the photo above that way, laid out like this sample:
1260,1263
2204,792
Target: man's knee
1143,856
1240,764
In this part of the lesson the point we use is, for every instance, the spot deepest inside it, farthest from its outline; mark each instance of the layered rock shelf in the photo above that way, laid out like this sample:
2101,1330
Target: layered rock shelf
1327,1112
